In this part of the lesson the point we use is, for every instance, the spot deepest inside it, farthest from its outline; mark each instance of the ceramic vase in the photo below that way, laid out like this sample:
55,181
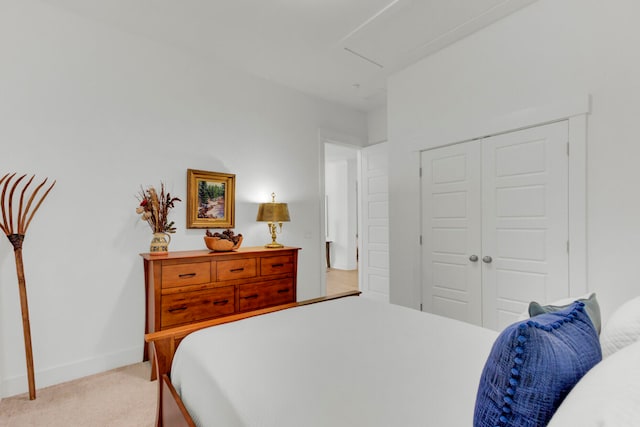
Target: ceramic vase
160,244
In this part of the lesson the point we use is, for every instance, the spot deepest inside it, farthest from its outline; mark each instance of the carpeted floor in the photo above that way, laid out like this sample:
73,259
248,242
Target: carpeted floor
123,397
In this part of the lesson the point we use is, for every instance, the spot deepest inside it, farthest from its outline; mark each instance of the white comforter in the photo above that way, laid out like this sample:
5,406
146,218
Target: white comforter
348,362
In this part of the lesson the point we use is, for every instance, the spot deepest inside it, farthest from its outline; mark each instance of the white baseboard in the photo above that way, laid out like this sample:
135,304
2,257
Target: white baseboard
82,368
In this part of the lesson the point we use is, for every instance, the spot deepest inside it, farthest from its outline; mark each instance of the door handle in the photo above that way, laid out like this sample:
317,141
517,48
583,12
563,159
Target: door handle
487,259
473,258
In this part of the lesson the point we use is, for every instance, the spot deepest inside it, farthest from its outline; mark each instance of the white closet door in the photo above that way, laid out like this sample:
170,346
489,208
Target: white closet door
451,227
525,221
374,218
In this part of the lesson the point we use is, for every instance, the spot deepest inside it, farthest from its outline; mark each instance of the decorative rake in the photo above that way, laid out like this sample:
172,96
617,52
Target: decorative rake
15,234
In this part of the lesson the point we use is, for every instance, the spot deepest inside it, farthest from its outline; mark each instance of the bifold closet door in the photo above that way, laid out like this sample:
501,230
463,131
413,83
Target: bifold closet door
451,232
495,225
525,221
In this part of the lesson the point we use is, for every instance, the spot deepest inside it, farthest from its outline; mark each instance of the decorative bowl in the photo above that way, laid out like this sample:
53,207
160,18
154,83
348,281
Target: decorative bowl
221,245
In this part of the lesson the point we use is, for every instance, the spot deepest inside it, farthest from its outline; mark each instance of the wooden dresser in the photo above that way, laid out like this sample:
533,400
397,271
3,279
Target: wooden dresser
189,286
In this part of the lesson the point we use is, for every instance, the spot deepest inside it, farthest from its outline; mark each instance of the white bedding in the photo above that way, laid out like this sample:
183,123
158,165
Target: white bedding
348,362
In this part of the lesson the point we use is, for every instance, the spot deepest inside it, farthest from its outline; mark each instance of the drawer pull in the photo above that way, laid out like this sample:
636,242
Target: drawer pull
252,296
171,310
186,275
233,270
283,291
277,265
221,302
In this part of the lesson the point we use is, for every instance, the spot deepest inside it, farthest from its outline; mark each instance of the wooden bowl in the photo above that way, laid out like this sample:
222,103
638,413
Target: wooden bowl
221,245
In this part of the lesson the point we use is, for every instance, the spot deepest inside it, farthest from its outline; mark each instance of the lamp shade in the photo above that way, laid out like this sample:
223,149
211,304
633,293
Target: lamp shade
273,212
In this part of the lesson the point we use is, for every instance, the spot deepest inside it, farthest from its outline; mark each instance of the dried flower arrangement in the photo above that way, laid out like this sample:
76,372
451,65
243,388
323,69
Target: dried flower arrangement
154,209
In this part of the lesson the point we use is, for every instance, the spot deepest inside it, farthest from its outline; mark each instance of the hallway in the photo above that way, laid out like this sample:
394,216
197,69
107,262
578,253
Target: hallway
341,281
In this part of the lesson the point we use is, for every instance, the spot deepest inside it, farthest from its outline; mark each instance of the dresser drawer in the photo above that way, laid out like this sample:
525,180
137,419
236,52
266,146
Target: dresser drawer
276,265
186,274
236,269
186,307
259,295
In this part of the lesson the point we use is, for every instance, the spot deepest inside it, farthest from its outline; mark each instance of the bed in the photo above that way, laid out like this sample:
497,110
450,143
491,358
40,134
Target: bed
344,361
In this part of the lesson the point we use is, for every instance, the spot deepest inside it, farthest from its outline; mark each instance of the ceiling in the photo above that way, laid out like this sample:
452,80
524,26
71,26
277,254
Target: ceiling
339,50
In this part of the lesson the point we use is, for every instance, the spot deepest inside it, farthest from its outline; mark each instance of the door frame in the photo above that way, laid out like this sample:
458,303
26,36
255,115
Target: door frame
326,136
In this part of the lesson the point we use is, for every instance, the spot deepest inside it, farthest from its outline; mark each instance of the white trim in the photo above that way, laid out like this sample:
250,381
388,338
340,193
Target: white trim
528,117
321,193
328,136
578,280
361,278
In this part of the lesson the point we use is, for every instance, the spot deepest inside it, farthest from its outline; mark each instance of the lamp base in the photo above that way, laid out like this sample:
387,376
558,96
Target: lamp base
274,245
273,228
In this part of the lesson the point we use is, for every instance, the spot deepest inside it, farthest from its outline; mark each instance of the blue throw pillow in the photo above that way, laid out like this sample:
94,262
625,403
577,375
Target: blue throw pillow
533,365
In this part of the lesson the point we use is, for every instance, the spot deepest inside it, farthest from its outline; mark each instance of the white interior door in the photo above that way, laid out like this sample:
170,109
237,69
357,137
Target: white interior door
451,227
504,200
374,221
525,221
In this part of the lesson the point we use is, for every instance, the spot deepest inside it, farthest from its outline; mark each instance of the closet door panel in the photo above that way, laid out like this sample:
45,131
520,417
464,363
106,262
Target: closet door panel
525,221
451,232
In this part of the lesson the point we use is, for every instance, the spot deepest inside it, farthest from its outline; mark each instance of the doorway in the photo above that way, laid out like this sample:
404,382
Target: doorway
341,217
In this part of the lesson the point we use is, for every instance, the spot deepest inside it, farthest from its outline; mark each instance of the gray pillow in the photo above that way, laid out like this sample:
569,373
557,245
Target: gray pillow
591,305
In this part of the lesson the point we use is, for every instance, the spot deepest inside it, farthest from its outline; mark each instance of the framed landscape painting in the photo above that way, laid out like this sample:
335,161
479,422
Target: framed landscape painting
210,199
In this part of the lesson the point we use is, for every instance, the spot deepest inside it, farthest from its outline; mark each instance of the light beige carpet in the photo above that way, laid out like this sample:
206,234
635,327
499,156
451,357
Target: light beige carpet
123,397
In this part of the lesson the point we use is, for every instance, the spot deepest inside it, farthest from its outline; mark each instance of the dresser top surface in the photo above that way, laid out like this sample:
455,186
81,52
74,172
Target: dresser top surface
208,253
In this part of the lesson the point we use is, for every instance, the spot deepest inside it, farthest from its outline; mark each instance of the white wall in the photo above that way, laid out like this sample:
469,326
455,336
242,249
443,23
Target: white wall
548,52
340,188
377,125
104,112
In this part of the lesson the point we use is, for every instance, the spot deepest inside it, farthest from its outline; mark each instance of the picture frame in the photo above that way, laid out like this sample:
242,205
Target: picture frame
210,199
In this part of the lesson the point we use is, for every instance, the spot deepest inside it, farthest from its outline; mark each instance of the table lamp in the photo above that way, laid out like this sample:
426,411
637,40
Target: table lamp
273,213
